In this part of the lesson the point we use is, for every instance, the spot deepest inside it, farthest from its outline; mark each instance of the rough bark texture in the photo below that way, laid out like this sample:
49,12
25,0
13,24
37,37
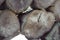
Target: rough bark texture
9,23
18,5
37,23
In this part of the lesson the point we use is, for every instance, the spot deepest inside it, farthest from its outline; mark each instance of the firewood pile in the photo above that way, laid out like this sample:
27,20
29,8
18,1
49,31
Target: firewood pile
36,19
